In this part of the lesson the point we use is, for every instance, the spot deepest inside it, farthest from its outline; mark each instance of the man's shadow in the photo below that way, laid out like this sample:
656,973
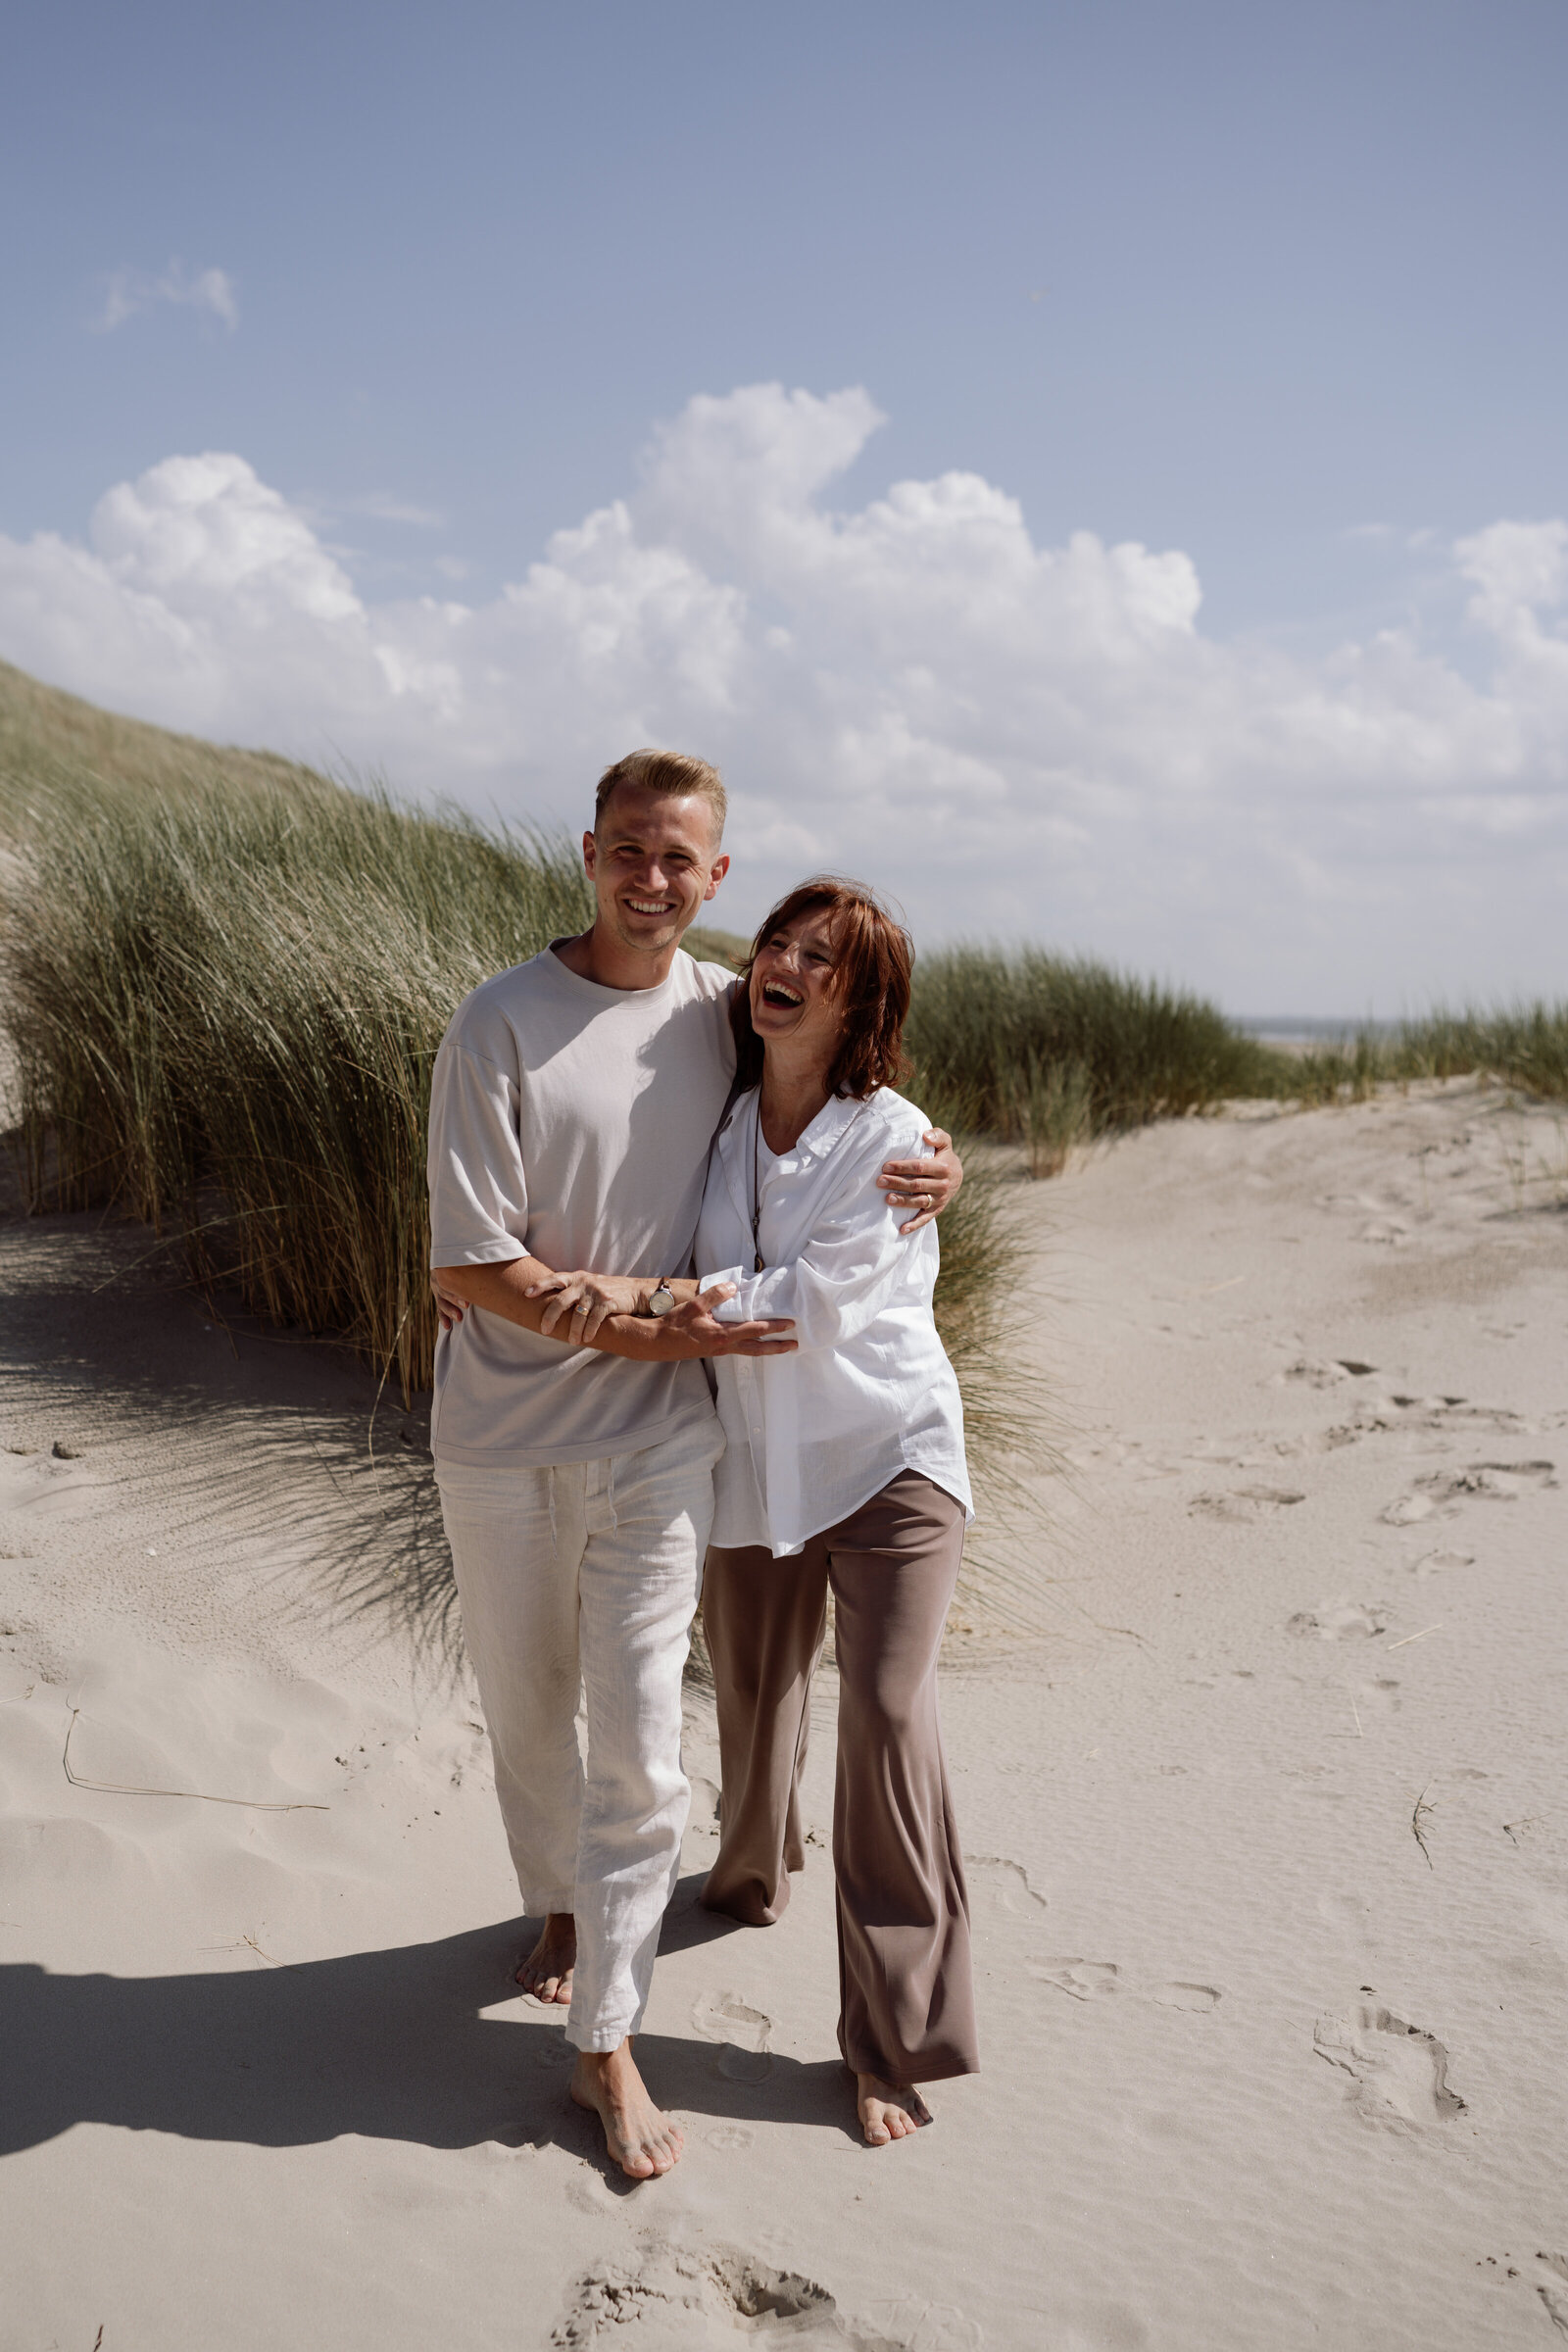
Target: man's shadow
389,2044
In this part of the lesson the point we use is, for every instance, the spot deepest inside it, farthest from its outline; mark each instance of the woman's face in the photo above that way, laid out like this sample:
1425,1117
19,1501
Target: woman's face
793,994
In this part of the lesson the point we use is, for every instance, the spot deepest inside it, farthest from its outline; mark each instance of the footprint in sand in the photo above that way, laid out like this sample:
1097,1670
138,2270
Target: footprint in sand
998,1883
1326,1372
1481,1482
1083,1980
741,2032
1398,2072
1380,1697
1504,1482
693,2296
1338,1621
698,2295
1437,1563
1244,1504
1407,1510
1199,1998
1101,1980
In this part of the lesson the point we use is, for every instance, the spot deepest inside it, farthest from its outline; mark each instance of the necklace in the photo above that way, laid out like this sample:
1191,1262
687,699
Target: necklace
757,1263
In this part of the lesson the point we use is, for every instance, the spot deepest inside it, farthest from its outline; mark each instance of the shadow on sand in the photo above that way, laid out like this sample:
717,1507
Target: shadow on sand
387,2045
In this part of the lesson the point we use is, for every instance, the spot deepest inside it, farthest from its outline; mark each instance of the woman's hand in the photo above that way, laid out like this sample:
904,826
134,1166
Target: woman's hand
694,1329
928,1186
583,1300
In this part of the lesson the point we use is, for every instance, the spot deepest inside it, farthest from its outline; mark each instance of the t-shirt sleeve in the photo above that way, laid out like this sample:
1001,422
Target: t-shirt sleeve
478,1191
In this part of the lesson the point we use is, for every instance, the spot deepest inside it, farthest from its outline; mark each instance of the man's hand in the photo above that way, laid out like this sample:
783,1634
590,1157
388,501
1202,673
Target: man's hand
448,1305
928,1186
587,1299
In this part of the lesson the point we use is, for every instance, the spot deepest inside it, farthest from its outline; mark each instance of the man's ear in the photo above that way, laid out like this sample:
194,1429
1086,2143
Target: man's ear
590,849
715,875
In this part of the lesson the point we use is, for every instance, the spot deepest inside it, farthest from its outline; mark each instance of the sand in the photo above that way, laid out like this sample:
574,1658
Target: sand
1267,1834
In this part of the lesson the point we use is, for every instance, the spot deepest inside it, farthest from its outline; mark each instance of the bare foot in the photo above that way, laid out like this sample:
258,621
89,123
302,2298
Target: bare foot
546,1971
889,2110
642,2140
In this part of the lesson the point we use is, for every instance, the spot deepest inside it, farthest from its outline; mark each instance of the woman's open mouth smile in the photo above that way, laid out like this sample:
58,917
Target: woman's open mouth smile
779,993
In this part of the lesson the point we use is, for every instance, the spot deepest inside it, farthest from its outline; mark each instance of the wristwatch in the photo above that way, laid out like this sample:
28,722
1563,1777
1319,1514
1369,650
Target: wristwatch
661,1301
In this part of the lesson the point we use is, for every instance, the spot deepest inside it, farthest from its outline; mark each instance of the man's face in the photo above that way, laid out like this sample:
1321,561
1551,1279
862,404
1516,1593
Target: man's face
653,862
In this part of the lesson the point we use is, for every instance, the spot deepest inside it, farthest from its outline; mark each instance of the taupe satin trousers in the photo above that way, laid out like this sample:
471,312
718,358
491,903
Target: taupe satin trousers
906,1999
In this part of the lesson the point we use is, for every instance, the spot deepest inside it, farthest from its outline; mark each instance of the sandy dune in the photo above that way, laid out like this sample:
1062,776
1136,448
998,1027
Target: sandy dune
1268,1834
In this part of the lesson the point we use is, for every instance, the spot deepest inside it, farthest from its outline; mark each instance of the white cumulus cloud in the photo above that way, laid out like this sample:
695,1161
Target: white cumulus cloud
1013,738
134,290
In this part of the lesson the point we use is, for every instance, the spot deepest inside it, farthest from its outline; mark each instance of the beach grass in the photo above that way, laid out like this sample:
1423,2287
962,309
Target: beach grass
54,748
1522,1045
223,1009
1047,1051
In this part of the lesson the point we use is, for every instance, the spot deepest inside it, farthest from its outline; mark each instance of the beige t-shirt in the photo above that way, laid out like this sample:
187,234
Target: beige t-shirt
570,1122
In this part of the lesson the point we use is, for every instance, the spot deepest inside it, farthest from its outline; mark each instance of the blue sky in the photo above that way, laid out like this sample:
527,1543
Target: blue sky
1274,289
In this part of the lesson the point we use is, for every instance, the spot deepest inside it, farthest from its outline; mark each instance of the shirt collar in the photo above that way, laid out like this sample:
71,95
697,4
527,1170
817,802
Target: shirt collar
819,1140
829,1127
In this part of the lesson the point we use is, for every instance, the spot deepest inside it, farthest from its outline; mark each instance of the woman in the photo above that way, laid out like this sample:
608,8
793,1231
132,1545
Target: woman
843,1472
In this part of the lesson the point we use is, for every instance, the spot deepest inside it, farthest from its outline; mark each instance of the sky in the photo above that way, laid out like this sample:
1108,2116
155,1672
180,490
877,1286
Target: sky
1098,473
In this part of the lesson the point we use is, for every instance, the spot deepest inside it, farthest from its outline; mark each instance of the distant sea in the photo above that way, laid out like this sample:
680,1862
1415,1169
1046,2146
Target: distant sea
1304,1029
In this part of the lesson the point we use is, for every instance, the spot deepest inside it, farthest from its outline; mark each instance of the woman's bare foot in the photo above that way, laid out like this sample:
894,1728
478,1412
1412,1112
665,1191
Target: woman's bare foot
889,2110
640,2138
546,1971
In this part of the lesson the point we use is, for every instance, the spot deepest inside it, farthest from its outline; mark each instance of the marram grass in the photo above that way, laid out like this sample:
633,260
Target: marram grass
225,1009
1525,1046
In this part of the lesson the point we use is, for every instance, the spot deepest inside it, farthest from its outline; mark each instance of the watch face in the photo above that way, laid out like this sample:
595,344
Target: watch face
661,1301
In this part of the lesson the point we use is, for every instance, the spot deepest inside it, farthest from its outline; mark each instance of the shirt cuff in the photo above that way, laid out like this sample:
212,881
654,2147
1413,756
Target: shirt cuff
731,1310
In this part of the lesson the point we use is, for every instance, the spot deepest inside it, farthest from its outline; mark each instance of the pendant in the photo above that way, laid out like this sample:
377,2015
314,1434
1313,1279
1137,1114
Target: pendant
757,1266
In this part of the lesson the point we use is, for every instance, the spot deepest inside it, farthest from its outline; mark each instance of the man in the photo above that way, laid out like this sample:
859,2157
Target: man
571,1110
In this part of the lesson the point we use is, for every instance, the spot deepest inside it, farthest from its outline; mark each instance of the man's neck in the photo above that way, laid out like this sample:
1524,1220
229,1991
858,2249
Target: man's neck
598,956
793,1093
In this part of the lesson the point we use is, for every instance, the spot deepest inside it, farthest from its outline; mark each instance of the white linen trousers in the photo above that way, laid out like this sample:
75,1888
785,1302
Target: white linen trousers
584,1579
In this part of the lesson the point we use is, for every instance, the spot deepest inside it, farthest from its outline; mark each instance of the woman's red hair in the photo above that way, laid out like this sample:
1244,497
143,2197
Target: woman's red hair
871,975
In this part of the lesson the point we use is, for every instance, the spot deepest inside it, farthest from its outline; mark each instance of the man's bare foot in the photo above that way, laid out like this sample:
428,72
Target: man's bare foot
642,2140
889,2110
545,1972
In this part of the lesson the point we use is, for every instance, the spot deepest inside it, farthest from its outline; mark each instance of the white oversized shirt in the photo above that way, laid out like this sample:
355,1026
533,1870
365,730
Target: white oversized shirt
811,1437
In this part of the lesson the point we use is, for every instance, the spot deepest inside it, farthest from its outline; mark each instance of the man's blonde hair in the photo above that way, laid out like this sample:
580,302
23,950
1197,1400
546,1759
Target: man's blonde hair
681,774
